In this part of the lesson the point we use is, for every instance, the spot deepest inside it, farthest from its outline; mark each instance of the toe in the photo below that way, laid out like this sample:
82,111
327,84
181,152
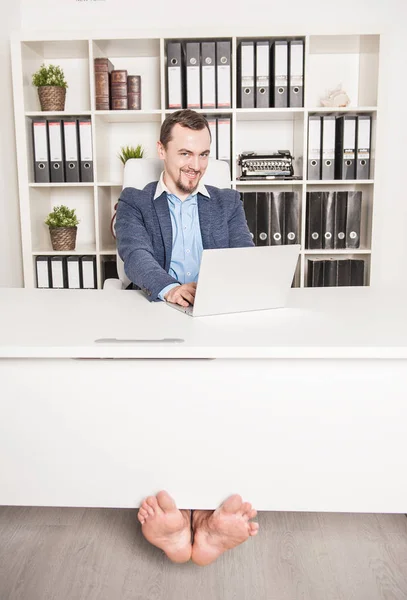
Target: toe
146,508
143,512
165,501
152,504
245,509
253,528
232,504
253,513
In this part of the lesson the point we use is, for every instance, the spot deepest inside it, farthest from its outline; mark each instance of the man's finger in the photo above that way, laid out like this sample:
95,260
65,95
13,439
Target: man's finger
187,296
180,300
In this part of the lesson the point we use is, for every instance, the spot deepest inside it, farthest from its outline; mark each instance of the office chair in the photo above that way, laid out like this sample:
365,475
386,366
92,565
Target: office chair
138,172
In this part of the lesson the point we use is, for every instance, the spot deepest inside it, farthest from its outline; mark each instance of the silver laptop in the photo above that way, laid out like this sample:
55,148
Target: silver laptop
243,279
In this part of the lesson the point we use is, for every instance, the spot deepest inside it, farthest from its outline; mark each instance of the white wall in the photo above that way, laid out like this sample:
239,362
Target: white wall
10,240
311,17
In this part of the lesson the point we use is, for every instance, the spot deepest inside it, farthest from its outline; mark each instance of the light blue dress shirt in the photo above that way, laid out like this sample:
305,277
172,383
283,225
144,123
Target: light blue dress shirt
186,236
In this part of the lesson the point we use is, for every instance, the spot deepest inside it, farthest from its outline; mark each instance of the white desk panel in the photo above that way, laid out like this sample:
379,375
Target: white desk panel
305,435
271,418
318,323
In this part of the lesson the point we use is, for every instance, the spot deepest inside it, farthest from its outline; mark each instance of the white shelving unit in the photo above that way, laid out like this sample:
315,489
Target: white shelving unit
352,60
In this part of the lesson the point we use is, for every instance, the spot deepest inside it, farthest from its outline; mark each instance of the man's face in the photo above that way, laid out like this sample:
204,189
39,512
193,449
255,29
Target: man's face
185,158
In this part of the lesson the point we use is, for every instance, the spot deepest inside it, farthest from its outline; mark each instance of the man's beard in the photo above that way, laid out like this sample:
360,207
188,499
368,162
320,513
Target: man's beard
187,189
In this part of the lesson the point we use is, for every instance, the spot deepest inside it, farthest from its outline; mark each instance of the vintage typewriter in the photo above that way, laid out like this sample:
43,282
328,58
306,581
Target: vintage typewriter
273,165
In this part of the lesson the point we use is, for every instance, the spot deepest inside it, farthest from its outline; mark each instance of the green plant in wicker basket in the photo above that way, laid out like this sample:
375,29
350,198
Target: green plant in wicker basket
62,216
130,152
49,75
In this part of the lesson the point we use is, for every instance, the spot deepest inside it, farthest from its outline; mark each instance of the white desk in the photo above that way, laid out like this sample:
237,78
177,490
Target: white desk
303,408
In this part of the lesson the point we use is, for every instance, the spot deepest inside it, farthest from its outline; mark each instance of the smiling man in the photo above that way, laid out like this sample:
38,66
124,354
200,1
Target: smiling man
161,232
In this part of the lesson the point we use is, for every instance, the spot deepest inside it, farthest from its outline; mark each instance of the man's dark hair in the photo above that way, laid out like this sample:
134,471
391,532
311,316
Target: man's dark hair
186,118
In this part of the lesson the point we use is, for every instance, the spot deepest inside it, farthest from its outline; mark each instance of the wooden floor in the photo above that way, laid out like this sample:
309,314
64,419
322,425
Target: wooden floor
100,554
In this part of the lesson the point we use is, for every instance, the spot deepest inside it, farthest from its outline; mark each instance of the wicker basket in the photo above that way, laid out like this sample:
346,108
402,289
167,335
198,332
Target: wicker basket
52,97
63,238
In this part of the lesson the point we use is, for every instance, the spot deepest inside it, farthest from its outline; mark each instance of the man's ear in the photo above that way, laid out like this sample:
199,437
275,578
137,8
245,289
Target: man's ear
160,150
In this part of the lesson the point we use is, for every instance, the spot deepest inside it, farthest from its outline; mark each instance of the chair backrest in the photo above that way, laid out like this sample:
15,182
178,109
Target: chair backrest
138,172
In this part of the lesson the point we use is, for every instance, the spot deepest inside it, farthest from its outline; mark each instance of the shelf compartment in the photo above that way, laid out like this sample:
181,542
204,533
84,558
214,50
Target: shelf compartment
367,211
138,57
30,153
350,60
373,115
342,256
111,136
42,202
271,135
72,57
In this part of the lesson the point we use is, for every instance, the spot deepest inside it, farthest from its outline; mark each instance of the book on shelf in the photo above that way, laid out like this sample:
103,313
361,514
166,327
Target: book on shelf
103,68
134,92
119,89
115,89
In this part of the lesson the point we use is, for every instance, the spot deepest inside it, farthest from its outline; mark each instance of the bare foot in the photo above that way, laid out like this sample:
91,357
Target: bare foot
166,527
226,527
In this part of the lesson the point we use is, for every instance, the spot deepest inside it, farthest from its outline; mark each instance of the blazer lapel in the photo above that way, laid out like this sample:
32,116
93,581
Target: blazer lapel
205,219
164,219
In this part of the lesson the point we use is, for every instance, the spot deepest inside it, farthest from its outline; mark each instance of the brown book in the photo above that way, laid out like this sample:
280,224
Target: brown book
103,64
119,103
103,69
134,100
119,76
134,83
118,90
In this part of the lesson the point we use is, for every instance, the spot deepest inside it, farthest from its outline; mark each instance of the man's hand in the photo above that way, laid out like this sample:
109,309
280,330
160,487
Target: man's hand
182,294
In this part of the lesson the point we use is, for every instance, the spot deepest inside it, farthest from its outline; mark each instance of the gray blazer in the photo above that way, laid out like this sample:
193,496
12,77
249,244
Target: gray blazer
144,232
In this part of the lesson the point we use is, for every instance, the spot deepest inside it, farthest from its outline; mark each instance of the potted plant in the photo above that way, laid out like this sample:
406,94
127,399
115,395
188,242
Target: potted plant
62,223
131,152
51,84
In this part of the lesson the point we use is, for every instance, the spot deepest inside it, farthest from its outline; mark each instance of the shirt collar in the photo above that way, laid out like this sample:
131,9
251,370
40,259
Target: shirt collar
161,187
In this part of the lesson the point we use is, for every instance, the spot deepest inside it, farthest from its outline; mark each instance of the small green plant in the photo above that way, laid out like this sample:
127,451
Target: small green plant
130,152
49,75
62,216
